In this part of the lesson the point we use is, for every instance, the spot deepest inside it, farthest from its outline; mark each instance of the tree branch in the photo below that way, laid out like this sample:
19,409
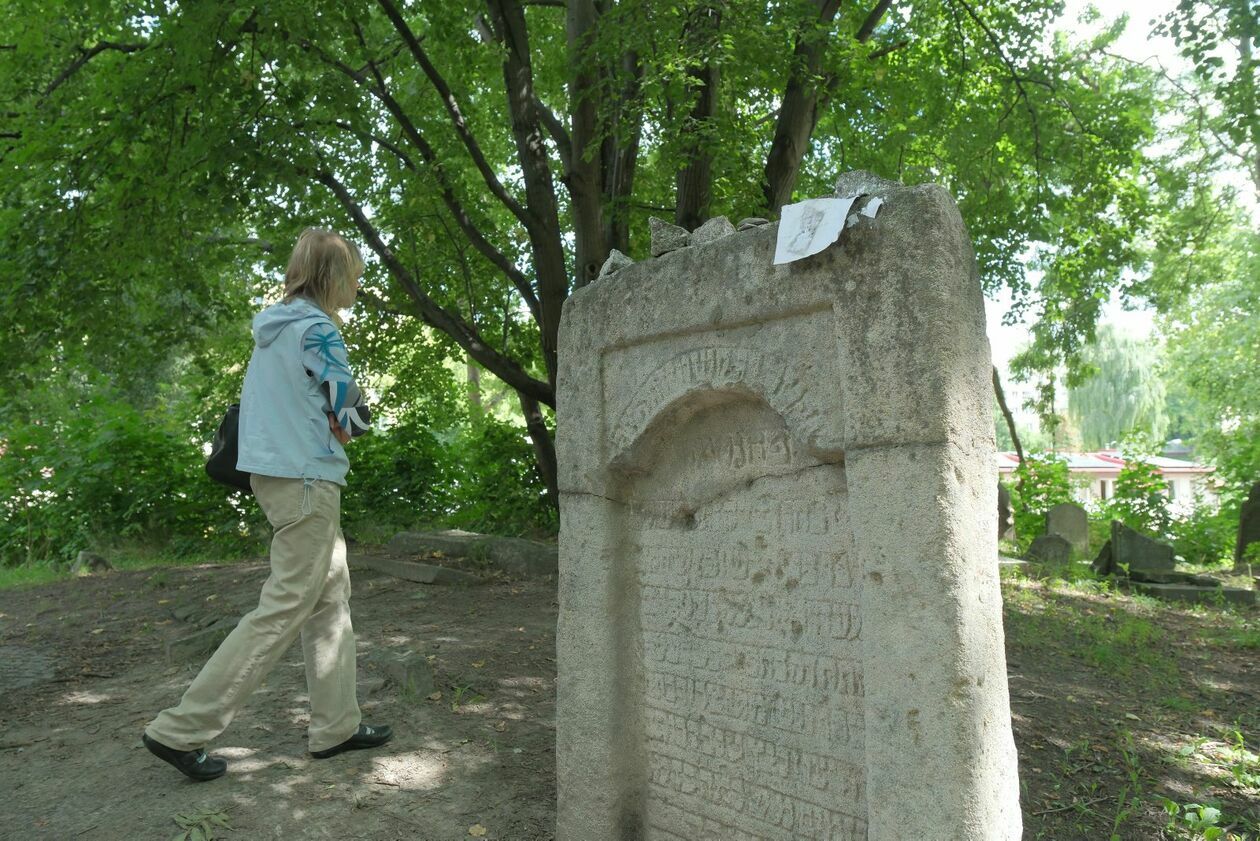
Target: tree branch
550,266
798,114
430,311
452,202
457,117
1019,85
85,56
891,48
867,29
564,143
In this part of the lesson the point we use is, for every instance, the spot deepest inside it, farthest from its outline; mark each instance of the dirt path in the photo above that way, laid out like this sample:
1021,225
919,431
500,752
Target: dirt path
72,766
1107,693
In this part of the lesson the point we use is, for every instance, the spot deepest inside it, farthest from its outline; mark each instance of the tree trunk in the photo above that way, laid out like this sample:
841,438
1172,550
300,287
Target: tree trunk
803,98
544,447
585,182
474,385
695,180
798,114
544,229
620,154
1010,422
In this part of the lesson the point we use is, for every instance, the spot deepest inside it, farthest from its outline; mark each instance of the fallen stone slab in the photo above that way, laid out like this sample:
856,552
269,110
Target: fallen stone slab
1192,593
512,555
1172,577
197,646
413,571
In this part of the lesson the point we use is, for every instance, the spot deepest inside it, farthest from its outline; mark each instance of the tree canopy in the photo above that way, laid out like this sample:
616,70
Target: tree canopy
158,158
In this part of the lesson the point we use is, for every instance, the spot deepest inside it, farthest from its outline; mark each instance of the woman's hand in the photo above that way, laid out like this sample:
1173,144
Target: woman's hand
339,433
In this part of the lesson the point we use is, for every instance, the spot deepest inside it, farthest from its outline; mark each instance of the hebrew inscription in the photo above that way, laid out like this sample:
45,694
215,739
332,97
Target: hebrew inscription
750,619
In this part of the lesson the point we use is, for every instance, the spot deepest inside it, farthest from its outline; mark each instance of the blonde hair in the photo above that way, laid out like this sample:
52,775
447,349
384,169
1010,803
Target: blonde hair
323,268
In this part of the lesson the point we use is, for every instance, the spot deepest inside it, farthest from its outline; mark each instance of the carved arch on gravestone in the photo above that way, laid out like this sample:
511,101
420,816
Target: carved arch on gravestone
696,379
738,590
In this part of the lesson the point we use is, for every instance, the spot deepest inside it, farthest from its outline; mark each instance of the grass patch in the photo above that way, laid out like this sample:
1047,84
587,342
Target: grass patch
1114,635
122,557
28,575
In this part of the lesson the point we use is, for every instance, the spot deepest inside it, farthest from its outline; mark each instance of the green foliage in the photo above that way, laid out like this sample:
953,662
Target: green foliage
399,477
1141,497
498,489
1214,353
1206,536
1041,482
1220,38
86,465
203,825
1124,394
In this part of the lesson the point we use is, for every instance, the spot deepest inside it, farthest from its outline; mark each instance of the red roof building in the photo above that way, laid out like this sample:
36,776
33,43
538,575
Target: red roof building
1094,476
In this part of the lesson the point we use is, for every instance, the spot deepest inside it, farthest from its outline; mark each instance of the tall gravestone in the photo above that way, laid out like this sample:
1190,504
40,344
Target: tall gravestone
779,615
1248,527
1070,522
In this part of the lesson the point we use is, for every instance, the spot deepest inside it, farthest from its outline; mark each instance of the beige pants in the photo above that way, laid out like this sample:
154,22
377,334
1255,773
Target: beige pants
308,592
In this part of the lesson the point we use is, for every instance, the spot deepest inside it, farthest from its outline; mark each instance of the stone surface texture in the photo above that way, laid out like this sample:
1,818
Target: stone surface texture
1069,521
666,237
615,262
712,230
1248,527
779,612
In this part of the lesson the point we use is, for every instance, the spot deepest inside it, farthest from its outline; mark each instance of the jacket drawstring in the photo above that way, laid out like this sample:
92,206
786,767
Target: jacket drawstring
306,496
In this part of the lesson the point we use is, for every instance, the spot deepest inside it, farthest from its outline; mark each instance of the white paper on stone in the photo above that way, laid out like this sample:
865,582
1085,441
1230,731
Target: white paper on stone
872,207
807,227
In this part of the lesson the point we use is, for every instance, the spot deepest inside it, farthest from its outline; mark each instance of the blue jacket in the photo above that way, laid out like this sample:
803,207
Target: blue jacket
297,375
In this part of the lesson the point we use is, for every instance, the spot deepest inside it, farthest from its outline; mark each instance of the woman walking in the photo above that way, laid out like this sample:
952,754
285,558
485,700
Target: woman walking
300,406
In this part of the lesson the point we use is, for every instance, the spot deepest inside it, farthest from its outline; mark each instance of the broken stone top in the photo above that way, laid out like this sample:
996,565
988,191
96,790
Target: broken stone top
860,182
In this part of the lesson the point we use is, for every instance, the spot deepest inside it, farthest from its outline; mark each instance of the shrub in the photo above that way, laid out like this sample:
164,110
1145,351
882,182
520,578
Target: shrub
96,468
1141,498
1206,537
498,488
1045,484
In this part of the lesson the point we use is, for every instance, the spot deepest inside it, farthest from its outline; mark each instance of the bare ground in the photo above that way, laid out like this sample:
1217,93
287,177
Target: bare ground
1117,703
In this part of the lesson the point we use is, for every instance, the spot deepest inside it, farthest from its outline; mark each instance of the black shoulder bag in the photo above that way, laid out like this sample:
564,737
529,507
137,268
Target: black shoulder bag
221,466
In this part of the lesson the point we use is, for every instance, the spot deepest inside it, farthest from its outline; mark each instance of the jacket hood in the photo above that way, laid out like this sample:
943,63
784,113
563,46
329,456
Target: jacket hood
269,323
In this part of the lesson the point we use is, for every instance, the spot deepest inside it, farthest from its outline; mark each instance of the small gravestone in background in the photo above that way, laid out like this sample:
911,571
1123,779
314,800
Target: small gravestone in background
1248,527
1006,515
88,563
1070,522
779,612
1050,550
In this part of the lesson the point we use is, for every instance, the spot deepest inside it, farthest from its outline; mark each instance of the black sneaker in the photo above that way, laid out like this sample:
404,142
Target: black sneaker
367,736
194,764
